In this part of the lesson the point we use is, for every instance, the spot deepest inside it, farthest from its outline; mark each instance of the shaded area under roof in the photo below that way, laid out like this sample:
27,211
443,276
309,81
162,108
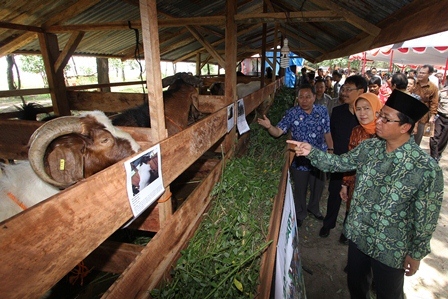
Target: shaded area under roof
316,29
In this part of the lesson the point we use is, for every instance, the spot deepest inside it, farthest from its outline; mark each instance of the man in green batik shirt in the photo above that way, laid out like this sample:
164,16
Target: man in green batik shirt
396,202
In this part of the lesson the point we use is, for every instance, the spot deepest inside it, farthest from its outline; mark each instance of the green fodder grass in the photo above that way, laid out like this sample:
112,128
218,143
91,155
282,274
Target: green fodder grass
222,259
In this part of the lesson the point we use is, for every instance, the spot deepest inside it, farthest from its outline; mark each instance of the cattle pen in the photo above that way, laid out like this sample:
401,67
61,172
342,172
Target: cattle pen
42,244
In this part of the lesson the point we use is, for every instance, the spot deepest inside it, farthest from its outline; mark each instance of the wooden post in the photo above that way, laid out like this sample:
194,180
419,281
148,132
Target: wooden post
230,63
263,49
150,33
198,64
50,52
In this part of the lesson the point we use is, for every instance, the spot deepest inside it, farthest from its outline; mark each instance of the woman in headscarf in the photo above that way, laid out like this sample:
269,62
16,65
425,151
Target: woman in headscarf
366,107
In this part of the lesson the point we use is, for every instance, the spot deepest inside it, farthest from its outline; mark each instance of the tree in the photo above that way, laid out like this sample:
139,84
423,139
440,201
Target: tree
11,63
34,64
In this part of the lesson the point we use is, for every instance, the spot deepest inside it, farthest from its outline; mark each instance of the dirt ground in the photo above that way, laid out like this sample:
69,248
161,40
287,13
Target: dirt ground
324,259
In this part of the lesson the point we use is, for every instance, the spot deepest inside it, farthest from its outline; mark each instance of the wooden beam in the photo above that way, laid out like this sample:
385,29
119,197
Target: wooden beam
17,42
151,48
294,16
290,16
350,17
68,51
206,45
97,86
23,92
14,26
50,52
148,13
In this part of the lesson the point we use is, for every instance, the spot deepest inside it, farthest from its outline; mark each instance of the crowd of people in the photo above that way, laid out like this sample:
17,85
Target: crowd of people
364,132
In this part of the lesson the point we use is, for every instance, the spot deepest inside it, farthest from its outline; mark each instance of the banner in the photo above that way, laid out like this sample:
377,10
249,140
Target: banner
289,281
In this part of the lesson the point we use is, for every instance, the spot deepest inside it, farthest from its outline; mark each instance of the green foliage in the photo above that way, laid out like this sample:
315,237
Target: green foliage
222,259
34,64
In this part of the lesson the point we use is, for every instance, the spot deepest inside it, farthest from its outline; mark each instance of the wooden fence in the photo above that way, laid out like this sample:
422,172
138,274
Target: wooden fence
42,244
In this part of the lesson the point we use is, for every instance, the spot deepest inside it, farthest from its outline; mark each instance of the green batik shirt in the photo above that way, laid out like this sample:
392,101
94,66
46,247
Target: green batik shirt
396,201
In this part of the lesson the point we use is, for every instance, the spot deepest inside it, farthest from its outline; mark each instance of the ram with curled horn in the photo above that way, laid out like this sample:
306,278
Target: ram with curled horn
61,152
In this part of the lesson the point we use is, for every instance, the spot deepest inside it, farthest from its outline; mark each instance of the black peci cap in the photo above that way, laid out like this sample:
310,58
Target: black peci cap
407,104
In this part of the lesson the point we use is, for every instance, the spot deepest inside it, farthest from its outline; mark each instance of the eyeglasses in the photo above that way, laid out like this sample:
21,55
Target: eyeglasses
347,89
384,119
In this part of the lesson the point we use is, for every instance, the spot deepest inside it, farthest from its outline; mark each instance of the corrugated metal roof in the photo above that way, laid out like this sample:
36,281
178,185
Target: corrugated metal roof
316,29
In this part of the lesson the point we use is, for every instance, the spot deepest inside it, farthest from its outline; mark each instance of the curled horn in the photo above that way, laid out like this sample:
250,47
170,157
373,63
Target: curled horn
190,79
43,136
186,77
167,81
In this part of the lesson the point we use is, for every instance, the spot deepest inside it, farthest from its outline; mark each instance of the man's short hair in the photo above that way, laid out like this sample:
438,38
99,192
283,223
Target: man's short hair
337,73
307,86
375,80
358,80
399,80
430,68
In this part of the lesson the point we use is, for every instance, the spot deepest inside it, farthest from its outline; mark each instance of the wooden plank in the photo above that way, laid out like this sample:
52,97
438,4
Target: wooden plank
148,269
104,101
42,244
268,257
210,103
98,86
14,137
23,92
113,257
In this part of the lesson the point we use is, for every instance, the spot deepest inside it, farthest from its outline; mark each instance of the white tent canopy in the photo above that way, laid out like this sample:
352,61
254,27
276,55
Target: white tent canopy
431,49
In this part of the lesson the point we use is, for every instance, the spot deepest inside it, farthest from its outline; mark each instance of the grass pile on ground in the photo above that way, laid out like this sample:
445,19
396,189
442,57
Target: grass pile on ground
222,259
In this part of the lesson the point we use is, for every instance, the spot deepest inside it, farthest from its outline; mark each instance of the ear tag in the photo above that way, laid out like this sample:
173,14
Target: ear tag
61,164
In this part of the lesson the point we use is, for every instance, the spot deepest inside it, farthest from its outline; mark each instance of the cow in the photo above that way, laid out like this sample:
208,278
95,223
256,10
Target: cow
180,105
61,152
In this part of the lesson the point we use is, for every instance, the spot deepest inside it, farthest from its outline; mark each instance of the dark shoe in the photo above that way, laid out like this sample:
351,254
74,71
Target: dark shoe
318,217
343,239
299,223
324,232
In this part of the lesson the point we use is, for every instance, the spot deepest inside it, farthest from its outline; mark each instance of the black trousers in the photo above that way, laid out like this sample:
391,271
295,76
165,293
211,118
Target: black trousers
360,268
302,179
419,135
437,144
334,200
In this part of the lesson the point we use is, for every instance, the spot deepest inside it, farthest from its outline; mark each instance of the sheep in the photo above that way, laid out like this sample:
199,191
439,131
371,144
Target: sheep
242,89
61,152
180,103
